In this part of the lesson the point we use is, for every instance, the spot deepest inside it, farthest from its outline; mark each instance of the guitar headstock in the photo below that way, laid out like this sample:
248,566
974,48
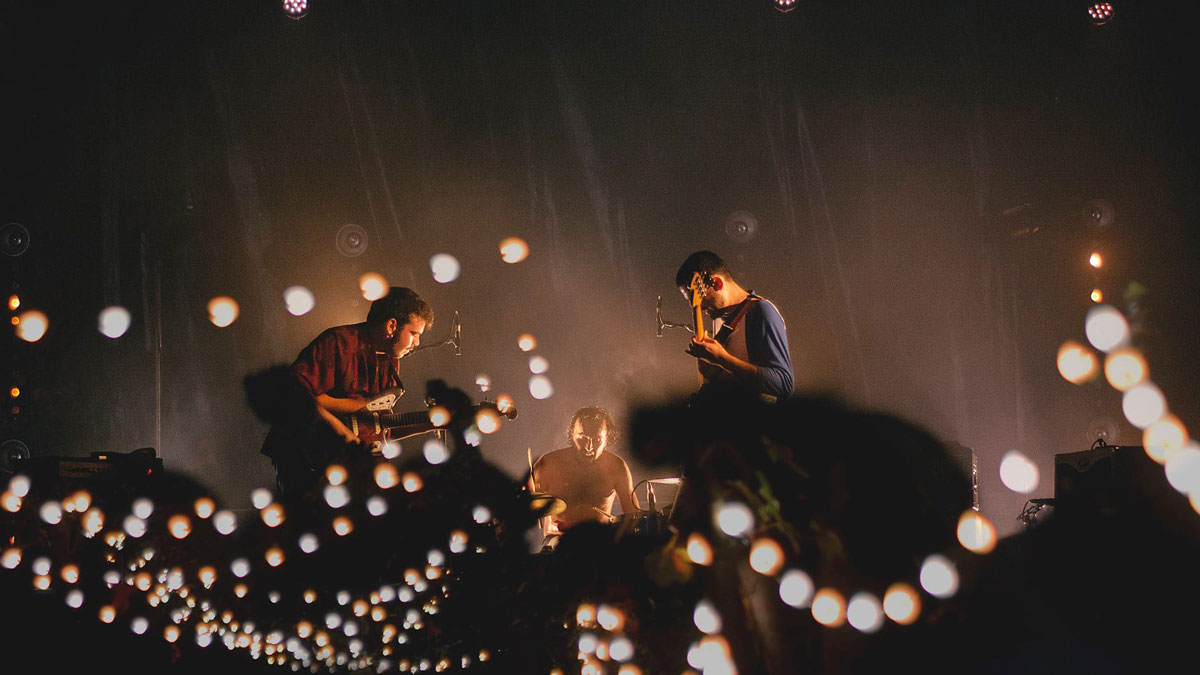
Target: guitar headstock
503,405
697,287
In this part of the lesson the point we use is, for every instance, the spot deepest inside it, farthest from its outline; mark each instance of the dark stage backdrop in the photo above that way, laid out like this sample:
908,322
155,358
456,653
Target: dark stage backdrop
918,174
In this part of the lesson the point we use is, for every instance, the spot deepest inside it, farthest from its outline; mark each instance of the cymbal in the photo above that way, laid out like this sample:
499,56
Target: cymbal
546,505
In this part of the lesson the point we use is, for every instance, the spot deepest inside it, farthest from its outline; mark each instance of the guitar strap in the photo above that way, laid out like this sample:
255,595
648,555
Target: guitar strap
728,327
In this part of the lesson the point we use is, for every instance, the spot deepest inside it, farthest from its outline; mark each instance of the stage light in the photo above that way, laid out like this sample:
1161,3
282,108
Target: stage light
902,603
295,9
1018,472
976,533
32,325
445,268
1125,368
114,321
864,612
1143,404
540,387
299,300
784,6
1100,13
513,250
1106,328
938,576
829,607
373,286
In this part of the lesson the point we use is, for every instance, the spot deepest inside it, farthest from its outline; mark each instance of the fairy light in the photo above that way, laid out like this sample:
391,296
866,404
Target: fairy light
336,496
1125,368
902,603
10,501
734,518
114,321
829,607
179,526
526,342
204,507
273,515
222,311
487,421
373,286
1018,472
1183,468
377,506
74,599
386,476
504,403
107,614
134,526
411,481
10,558
1076,363
224,522
19,485
31,325
1097,295
342,526
513,250
445,268
435,451
706,618
439,416
699,550
540,387
1164,437
240,568
975,532
939,577
1143,404
538,365
864,612
610,618
796,588
336,474
1106,328
298,300
766,556
274,556
51,512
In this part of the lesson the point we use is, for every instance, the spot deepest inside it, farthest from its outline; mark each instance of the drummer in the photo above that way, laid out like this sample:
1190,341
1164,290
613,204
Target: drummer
584,475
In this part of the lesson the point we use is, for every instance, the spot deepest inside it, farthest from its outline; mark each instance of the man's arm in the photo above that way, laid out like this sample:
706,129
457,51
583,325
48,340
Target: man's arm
767,346
623,484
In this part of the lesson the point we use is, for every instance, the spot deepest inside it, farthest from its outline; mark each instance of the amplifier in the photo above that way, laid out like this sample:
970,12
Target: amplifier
1110,479
140,464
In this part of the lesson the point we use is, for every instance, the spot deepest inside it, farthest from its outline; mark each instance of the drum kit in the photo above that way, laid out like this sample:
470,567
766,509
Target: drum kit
651,521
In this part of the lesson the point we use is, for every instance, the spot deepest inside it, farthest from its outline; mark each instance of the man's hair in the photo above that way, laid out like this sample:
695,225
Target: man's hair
400,304
706,263
593,413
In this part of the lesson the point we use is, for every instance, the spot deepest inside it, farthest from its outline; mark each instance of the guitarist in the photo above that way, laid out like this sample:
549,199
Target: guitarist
749,344
343,369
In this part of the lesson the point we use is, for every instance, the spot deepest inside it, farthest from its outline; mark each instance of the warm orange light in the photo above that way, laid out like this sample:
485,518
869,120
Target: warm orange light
527,342
610,618
439,416
205,507
487,421
1076,363
14,392
586,614
31,325
766,556
342,526
699,550
180,526
274,557
273,515
504,403
386,476
14,302
1124,368
976,533
829,607
902,603
336,474
412,482
222,311
1097,296
373,286
1164,437
513,250
1096,260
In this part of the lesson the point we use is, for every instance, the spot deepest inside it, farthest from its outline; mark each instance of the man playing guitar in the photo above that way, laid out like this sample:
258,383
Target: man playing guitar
344,369
749,345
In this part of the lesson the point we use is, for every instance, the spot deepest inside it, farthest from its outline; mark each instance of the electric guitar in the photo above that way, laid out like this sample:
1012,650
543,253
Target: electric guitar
373,423
697,288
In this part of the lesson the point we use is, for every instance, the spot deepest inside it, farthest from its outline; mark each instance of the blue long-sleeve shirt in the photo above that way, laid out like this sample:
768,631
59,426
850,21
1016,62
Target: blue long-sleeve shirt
761,339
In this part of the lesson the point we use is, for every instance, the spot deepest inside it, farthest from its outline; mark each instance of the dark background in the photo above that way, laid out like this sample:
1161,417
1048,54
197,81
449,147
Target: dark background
919,174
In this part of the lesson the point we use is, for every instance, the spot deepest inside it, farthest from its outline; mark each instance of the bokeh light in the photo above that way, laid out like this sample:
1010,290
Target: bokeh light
32,325
435,451
1096,260
445,268
298,300
204,507
1143,404
1164,437
1018,472
114,321
766,556
483,382
902,603
1183,468
373,286
939,576
1100,13
1125,368
222,311
1106,328
180,526
706,618
976,533
1076,363
540,387
1097,295
796,588
513,250
829,607
526,342
699,550
734,518
488,421
386,476
538,364
864,612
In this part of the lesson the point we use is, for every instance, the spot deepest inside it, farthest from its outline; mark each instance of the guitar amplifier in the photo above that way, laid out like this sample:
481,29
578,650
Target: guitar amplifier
100,467
1109,480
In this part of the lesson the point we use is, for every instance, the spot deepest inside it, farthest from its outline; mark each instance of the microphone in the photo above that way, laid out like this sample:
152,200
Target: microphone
456,335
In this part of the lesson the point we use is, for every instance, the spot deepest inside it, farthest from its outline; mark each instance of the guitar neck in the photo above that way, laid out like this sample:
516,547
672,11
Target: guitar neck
698,321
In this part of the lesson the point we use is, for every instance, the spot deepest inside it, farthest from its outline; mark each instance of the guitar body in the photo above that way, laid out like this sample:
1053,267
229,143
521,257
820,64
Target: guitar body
376,423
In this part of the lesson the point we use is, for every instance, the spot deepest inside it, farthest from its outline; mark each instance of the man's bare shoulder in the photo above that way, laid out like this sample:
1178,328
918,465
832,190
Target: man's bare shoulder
553,457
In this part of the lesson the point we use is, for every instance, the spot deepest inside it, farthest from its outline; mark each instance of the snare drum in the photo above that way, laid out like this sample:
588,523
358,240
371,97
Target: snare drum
643,523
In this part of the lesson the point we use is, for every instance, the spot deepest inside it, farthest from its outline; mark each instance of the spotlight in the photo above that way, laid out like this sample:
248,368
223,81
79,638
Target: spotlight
741,226
1100,13
295,9
351,239
784,6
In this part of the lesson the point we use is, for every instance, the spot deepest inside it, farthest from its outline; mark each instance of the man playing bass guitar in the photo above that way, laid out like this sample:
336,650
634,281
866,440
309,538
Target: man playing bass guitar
749,345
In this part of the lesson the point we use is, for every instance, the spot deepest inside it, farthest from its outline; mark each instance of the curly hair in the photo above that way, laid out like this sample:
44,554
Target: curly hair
593,412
